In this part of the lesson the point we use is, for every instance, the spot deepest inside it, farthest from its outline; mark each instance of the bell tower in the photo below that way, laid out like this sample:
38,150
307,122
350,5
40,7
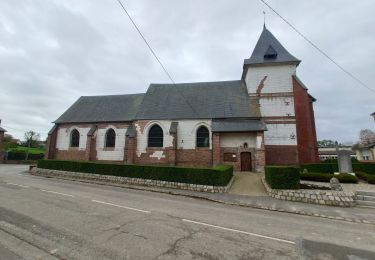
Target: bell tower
270,76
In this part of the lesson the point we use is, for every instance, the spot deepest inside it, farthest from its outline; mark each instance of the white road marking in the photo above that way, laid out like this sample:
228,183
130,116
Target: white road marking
59,193
240,231
23,186
119,206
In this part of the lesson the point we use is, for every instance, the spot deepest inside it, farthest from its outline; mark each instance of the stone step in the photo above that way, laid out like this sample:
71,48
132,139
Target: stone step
365,198
366,203
365,193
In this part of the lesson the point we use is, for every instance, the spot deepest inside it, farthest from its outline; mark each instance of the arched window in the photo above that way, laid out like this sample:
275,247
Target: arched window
155,136
74,138
110,138
203,137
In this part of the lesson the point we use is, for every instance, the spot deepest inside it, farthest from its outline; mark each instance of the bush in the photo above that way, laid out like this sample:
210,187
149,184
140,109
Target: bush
371,179
326,177
368,168
323,177
354,160
19,156
346,178
217,176
320,167
282,177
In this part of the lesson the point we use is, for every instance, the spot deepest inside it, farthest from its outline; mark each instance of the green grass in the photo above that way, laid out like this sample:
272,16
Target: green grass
24,149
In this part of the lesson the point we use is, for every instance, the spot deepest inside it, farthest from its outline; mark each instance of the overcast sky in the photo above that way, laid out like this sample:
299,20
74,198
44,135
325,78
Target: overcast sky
52,52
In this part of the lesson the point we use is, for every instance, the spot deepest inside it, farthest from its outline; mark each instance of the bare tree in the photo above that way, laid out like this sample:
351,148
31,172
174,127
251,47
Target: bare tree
366,136
31,138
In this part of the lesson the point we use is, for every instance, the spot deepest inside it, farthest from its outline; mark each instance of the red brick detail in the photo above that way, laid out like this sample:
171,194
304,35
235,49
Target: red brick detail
305,124
51,145
257,157
1,146
261,86
90,152
130,147
216,149
281,154
199,157
73,154
148,158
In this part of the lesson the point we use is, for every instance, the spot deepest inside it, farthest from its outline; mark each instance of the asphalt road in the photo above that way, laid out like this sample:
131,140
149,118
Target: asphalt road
43,218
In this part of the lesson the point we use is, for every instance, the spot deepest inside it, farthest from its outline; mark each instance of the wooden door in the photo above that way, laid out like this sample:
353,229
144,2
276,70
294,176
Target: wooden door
246,162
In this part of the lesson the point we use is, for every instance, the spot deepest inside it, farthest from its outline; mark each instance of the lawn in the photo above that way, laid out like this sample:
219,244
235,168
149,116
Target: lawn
24,149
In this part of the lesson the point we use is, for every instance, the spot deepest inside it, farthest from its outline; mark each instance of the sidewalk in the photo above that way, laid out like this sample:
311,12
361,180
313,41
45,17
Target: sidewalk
354,214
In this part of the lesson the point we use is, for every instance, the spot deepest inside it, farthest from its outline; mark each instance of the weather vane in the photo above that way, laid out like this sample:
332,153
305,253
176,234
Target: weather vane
264,19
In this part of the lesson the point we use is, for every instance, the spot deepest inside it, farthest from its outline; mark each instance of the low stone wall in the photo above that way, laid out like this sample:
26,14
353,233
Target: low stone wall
127,180
322,197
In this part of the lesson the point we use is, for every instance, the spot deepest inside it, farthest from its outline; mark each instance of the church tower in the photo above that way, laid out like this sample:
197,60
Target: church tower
285,105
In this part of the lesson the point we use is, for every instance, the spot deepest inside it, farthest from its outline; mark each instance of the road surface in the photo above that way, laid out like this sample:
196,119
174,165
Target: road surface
45,218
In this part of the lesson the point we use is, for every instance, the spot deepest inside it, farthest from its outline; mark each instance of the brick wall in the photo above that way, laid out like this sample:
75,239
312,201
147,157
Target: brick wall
200,157
305,123
51,144
71,154
281,154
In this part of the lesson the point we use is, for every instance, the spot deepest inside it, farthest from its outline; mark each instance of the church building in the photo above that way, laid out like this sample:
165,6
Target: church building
264,118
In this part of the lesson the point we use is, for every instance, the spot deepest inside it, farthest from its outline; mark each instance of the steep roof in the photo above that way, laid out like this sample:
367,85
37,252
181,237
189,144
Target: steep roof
223,99
269,50
2,129
91,109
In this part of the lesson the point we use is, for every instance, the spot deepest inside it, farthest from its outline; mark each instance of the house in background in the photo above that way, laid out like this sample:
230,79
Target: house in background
266,117
331,152
365,150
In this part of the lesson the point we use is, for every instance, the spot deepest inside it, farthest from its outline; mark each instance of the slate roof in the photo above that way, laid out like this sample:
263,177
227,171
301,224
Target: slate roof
268,44
223,99
91,109
2,129
238,125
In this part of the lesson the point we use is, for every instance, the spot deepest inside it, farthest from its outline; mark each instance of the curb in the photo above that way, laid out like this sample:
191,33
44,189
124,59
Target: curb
179,193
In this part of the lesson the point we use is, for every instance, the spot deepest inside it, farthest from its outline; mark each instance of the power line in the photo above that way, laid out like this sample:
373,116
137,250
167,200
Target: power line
156,57
316,47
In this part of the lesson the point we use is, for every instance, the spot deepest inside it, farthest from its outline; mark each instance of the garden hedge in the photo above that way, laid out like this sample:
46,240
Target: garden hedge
217,176
326,177
370,178
368,168
282,177
19,156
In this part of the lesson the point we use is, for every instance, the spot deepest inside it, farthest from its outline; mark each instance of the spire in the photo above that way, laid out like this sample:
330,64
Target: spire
269,50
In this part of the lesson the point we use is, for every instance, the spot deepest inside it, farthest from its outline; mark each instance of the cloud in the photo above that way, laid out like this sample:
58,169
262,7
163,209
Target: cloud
52,52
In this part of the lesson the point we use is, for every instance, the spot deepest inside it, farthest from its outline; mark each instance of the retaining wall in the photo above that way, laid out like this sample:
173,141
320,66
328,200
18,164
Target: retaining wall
127,180
313,196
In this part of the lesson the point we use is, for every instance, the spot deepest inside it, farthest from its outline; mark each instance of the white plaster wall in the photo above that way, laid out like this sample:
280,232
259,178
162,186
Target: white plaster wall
117,154
277,106
280,134
187,133
63,137
279,78
238,139
143,137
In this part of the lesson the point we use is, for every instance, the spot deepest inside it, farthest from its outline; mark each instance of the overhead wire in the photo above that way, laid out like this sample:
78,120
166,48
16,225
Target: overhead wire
155,56
317,48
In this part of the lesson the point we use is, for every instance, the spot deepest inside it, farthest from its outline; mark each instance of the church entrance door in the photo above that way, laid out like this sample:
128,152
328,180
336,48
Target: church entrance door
246,162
